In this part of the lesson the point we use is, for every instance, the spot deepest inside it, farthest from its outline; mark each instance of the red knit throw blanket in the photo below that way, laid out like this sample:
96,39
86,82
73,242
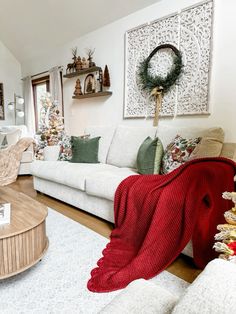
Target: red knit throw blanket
157,215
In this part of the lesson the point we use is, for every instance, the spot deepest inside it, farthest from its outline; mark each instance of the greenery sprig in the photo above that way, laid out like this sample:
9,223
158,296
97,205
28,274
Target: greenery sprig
149,82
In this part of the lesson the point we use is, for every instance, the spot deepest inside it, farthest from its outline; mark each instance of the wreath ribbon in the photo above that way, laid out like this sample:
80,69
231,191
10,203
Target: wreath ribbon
157,92
157,85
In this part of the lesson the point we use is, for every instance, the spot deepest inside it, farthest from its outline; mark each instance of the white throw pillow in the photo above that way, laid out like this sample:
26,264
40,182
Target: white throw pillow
51,153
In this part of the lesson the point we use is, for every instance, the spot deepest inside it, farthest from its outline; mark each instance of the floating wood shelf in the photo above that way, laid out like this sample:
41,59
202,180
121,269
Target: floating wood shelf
81,72
93,95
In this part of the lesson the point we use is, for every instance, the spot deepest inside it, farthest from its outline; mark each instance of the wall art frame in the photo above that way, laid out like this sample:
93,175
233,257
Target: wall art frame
189,30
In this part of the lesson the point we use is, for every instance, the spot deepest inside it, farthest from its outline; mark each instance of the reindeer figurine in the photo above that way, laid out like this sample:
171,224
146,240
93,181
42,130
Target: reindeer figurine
90,53
71,67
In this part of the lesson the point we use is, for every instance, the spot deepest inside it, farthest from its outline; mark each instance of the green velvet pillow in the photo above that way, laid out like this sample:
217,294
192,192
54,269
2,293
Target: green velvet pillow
84,150
150,156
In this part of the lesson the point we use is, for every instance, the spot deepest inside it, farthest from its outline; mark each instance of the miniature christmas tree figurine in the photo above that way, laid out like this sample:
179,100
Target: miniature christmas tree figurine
106,77
78,90
89,88
51,127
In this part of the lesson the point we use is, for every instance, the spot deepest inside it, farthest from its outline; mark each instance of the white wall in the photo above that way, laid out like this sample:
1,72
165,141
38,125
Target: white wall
10,76
109,44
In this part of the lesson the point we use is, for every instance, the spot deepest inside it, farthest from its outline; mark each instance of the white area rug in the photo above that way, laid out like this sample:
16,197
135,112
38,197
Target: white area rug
57,284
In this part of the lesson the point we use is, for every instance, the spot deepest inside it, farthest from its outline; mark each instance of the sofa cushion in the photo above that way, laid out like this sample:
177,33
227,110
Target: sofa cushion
104,183
106,133
142,296
212,292
64,172
125,145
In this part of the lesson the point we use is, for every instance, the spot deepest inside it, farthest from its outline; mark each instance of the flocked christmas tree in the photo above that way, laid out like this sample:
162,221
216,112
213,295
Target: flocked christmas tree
51,126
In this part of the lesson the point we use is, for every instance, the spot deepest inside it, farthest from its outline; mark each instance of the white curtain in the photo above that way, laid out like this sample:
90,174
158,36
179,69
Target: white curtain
55,86
29,105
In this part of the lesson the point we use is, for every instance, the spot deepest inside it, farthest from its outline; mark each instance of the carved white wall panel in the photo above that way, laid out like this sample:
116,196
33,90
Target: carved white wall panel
164,31
189,31
137,48
195,44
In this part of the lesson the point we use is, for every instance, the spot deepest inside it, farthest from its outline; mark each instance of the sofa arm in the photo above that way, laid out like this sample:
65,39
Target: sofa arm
141,296
214,290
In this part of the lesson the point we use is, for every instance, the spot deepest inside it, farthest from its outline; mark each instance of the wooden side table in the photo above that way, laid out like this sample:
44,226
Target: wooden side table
23,242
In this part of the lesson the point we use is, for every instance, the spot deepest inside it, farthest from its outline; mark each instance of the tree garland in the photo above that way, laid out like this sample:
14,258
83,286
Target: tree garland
158,85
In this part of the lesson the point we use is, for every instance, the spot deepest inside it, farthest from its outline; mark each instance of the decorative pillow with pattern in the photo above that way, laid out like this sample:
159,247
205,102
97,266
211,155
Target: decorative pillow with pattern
178,152
66,147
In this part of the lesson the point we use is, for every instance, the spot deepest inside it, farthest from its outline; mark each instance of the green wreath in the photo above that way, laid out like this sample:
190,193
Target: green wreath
150,82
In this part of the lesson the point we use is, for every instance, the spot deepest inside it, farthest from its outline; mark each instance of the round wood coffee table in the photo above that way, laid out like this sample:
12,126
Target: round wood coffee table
23,242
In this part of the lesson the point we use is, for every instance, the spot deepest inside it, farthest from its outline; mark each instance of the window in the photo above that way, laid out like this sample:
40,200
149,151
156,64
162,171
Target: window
40,87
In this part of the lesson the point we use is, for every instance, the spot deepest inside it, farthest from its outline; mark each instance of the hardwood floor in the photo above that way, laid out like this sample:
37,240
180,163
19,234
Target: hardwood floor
182,267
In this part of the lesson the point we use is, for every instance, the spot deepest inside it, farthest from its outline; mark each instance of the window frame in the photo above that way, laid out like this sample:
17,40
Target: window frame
35,83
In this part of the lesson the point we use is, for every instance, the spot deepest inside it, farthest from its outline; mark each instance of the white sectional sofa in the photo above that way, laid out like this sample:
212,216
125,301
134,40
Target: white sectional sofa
91,187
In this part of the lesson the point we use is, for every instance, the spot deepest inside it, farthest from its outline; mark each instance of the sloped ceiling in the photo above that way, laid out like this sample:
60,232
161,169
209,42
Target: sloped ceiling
30,27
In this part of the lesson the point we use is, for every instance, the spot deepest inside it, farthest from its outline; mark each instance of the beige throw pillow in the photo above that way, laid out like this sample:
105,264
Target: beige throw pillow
210,144
229,151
